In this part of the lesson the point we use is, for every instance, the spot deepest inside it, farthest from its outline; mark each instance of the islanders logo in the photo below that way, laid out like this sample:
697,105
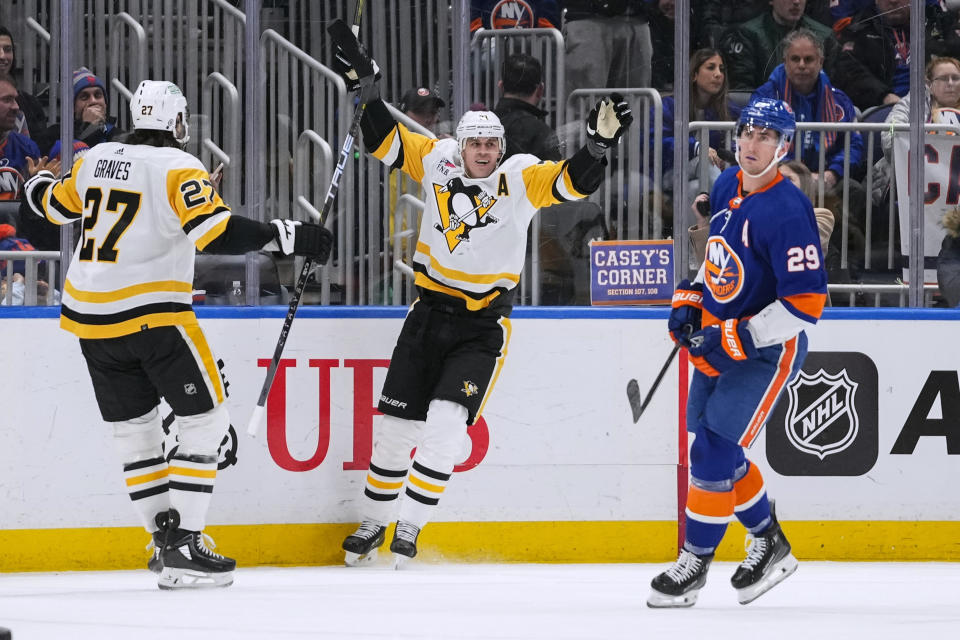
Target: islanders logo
723,270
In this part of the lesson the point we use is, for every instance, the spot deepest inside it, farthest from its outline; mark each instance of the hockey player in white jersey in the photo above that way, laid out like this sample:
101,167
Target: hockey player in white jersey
146,206
469,255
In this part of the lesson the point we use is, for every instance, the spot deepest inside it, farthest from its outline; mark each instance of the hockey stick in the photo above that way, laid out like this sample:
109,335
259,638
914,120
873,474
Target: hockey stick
345,37
633,387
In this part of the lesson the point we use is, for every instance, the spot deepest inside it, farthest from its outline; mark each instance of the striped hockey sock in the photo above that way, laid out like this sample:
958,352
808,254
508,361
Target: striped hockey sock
424,488
708,513
147,484
752,506
191,486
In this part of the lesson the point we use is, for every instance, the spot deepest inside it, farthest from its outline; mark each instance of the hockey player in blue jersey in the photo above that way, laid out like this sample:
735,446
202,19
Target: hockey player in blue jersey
743,320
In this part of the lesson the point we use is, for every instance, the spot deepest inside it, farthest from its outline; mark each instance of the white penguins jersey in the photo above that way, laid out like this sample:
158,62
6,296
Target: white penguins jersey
145,210
473,235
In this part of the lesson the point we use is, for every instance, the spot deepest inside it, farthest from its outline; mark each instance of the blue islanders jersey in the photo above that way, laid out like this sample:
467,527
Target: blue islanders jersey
762,246
14,151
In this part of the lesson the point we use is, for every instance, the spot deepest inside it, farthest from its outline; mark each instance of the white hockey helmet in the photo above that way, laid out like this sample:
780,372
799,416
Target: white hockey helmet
161,106
480,124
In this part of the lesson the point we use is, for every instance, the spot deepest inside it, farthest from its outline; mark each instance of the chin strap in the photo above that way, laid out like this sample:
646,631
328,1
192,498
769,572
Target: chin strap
780,154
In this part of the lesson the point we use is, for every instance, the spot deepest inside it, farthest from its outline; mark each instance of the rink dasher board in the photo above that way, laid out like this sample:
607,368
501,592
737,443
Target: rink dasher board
562,455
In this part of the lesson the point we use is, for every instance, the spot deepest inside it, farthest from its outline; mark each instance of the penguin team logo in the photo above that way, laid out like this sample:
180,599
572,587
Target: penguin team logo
470,389
825,422
724,270
462,208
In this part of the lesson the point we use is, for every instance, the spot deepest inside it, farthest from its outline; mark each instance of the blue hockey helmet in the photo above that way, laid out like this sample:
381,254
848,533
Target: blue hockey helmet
769,113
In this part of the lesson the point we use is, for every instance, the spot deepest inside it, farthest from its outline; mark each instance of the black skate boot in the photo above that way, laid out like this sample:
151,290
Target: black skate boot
679,585
768,563
362,545
155,563
404,543
188,563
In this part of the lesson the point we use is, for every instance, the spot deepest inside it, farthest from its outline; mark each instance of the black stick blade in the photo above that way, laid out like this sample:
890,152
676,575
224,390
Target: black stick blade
633,396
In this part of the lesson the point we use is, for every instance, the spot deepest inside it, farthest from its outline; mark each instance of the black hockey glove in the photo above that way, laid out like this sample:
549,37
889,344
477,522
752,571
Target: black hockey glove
355,75
607,122
293,237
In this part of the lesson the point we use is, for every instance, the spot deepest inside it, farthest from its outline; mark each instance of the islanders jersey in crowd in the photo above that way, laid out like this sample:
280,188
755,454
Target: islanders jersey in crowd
14,151
145,210
763,246
473,236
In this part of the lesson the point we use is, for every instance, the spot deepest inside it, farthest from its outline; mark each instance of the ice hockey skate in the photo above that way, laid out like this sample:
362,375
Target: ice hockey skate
155,564
404,543
189,564
679,585
768,563
362,545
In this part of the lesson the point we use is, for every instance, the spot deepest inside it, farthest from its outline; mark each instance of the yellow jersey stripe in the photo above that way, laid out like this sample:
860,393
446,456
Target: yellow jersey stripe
212,234
115,330
463,276
473,304
65,189
160,286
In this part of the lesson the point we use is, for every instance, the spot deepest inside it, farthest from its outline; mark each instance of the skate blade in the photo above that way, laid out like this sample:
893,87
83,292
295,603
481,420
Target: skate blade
658,600
399,561
352,559
780,572
186,579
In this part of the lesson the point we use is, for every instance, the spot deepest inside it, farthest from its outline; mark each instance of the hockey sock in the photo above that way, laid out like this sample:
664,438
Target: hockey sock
424,487
394,439
708,510
191,486
444,436
752,506
146,482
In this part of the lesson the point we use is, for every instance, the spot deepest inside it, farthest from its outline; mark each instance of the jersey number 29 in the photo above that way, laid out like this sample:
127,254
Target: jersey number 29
803,258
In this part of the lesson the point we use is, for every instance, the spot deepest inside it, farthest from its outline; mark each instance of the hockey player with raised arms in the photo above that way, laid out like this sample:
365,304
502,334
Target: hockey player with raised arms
743,320
468,260
146,206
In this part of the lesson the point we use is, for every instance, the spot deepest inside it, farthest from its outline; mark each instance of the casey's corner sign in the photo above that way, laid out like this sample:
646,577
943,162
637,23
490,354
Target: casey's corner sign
631,272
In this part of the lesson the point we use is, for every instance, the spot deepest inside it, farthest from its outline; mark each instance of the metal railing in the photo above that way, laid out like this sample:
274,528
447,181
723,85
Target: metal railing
490,48
32,290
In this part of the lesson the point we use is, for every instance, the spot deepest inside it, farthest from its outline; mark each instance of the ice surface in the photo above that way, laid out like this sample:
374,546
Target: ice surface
822,601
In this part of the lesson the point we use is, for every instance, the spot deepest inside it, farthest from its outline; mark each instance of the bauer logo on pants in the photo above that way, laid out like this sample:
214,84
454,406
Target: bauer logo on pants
825,424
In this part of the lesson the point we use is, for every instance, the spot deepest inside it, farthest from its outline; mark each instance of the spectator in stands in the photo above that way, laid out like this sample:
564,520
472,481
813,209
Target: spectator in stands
529,14
798,173
422,106
755,48
663,15
708,101
873,66
948,260
607,44
521,84
10,241
16,149
801,82
941,99
714,17
91,124
31,118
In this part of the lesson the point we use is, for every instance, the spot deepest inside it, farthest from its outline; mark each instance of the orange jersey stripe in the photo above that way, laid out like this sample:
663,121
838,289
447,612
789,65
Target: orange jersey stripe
749,486
809,303
711,504
784,367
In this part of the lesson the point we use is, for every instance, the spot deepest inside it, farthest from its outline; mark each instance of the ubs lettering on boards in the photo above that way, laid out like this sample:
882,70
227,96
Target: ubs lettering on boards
826,422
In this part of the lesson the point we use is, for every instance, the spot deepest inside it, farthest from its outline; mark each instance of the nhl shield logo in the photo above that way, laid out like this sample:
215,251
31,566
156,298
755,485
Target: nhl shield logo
821,418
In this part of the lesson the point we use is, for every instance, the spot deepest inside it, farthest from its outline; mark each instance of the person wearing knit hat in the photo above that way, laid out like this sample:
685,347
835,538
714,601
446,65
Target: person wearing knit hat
91,124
